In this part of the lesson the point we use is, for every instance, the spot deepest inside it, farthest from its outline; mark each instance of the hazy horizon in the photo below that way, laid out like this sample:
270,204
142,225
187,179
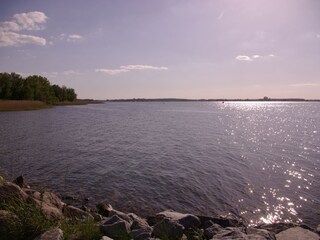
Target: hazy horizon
166,49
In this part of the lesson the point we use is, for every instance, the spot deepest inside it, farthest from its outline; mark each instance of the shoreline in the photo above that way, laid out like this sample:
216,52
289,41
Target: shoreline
108,223
28,105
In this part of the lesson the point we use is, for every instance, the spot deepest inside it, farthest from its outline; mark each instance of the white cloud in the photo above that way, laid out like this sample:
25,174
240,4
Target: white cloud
243,58
30,20
142,67
253,57
71,37
111,71
305,85
70,72
221,15
15,39
9,35
128,68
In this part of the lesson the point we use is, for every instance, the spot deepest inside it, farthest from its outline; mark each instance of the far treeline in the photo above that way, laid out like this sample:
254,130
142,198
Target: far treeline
14,87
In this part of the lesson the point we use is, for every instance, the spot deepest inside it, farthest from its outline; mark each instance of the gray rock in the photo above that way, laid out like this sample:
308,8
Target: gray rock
104,209
76,213
212,230
116,228
10,190
140,234
276,227
317,230
53,234
106,238
222,221
21,182
230,233
261,232
122,215
186,220
168,229
112,220
297,233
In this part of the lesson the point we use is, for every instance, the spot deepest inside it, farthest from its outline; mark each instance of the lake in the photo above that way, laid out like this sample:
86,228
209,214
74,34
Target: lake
258,160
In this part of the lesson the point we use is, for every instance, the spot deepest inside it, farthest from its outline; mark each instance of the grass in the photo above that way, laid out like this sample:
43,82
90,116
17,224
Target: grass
26,223
79,102
21,105
86,230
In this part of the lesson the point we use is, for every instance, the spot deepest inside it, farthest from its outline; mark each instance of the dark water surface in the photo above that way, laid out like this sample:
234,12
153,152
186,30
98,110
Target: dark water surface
259,160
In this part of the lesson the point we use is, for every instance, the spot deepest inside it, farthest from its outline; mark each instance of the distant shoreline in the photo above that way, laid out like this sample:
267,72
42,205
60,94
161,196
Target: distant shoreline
212,100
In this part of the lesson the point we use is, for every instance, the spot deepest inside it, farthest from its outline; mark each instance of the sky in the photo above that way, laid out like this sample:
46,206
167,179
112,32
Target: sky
166,49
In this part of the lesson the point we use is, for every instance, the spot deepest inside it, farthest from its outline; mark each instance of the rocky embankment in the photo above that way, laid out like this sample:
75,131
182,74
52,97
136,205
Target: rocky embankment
113,224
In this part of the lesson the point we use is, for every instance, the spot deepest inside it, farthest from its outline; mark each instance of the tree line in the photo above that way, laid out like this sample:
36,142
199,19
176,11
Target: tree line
14,87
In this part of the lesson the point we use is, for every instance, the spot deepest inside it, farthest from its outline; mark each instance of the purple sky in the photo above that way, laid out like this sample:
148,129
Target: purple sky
186,49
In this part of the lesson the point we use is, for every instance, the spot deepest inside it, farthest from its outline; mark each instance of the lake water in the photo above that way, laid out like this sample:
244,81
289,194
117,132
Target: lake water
258,160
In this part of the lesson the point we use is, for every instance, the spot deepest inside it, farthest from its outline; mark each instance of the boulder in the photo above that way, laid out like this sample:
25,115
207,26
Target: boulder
116,228
9,225
122,215
106,238
222,221
297,233
168,229
53,234
104,209
276,227
212,230
140,234
76,213
50,211
317,230
261,232
230,233
10,191
186,220
20,181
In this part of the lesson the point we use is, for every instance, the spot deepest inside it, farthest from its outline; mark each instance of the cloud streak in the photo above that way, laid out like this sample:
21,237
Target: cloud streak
127,68
71,37
31,21
305,85
253,57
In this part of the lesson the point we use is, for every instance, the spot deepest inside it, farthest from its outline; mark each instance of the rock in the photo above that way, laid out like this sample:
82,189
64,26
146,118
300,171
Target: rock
53,234
186,220
140,234
76,213
168,229
222,221
230,233
212,230
261,232
9,225
122,215
116,228
192,234
297,233
50,211
9,190
52,200
106,238
104,209
20,182
317,230
276,227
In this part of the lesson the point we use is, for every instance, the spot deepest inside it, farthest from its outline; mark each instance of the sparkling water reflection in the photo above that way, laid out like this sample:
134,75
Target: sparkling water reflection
259,160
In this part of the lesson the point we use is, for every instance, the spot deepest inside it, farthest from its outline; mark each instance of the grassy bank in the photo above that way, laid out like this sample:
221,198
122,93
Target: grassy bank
79,102
21,105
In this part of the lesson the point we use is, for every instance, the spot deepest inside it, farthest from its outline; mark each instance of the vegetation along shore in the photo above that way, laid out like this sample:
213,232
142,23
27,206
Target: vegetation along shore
27,213
35,92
